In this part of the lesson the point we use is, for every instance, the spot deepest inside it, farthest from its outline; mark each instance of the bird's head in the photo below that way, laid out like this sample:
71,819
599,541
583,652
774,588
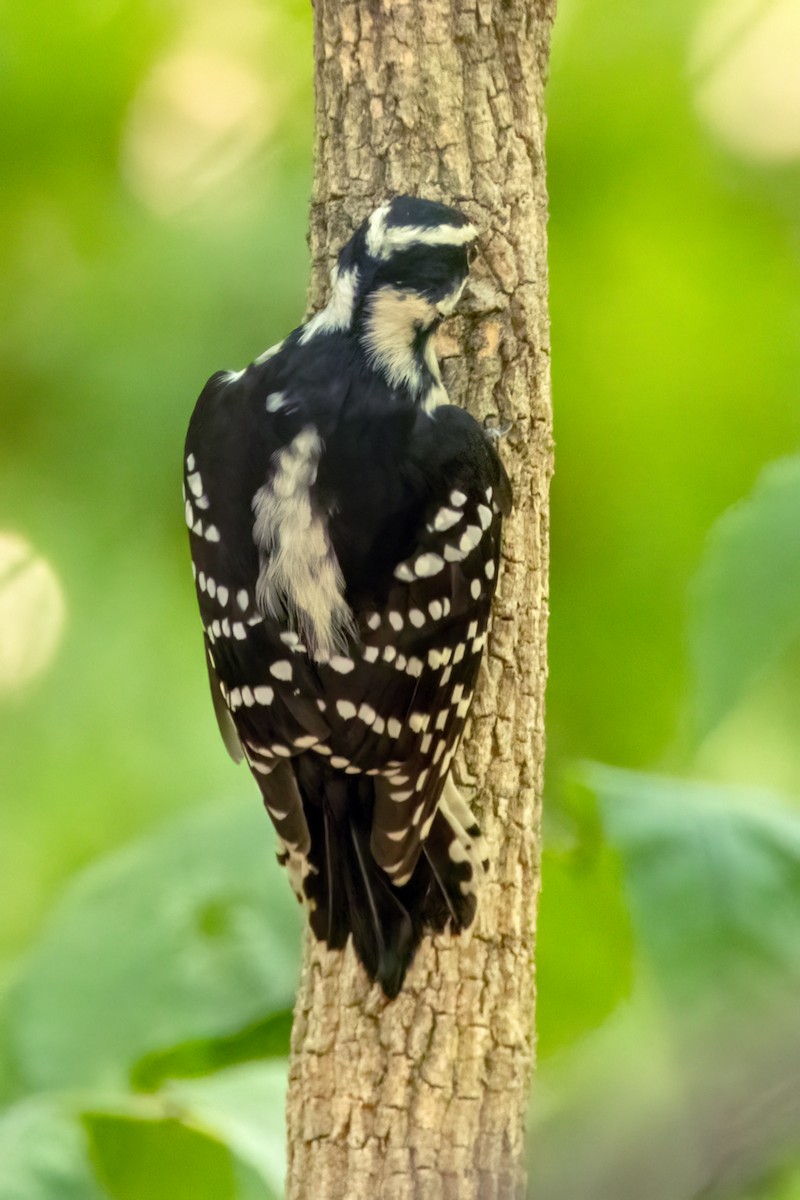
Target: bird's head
400,274
414,247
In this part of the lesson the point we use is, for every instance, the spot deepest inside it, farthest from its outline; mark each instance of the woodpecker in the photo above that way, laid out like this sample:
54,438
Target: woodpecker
344,522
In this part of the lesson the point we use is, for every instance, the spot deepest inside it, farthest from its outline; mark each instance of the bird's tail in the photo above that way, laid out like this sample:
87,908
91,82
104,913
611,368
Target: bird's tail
350,895
456,856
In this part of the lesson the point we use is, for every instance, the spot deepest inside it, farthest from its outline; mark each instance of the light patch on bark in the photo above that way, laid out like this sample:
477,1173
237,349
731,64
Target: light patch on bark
491,340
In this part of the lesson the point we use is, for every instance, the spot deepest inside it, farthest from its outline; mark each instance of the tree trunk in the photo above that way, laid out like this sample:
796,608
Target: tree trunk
425,1096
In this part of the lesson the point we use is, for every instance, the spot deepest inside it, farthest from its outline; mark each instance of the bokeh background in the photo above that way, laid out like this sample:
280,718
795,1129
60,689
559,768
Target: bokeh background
155,179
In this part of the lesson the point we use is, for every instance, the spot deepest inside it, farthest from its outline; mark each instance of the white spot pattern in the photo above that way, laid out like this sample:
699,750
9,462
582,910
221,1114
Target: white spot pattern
470,538
427,565
445,519
341,664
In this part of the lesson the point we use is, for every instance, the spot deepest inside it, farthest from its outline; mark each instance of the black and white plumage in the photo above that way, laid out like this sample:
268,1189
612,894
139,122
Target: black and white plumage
345,527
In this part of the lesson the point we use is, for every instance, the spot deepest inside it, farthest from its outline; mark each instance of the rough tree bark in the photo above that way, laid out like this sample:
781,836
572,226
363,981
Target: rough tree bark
425,1097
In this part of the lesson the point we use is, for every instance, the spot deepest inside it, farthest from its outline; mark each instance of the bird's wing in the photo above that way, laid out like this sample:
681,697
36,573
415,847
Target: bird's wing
264,685
397,703
391,703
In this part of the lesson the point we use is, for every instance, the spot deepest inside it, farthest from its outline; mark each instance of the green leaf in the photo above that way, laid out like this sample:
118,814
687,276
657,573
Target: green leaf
245,1106
268,1038
584,941
782,1183
745,601
191,934
43,1154
143,1159
690,1088
11,1085
713,876
219,1136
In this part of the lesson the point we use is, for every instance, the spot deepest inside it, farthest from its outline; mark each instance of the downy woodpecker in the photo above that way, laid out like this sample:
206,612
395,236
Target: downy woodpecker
344,521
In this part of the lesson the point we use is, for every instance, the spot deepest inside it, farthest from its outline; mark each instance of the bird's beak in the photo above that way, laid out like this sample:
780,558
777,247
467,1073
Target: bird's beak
448,303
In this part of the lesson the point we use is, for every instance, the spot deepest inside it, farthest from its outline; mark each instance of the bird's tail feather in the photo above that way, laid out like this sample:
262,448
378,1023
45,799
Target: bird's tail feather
456,856
350,895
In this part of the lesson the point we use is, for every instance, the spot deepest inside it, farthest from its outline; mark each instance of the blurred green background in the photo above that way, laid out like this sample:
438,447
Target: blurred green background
156,173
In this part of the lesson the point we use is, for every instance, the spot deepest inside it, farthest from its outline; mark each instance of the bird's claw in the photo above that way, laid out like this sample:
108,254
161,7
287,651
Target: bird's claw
496,431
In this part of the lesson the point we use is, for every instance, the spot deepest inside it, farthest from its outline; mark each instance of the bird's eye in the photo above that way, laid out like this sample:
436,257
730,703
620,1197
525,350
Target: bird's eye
472,254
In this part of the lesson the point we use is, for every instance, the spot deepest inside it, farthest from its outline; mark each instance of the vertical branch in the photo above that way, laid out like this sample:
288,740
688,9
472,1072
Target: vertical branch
426,1096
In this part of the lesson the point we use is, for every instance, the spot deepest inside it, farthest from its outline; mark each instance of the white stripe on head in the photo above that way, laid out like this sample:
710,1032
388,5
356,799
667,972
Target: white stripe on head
376,231
400,237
